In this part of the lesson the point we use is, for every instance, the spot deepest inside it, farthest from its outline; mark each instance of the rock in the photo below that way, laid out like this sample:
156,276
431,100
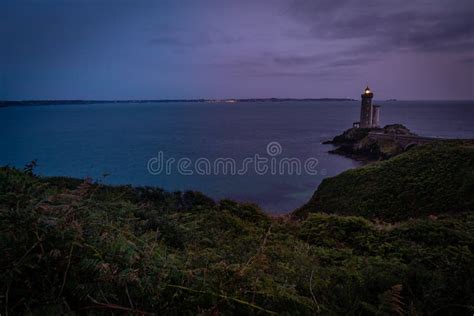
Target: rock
398,129
355,144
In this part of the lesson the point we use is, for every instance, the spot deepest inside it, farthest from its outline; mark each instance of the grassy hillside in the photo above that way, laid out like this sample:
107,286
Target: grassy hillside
76,247
427,180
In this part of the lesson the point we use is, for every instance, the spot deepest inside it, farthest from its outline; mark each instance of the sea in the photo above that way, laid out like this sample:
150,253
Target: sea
267,153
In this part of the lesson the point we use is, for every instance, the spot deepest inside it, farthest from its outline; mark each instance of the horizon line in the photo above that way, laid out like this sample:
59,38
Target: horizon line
217,99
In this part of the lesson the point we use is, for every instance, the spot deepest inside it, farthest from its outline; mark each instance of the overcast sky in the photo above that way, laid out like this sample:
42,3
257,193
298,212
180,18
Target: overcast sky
85,49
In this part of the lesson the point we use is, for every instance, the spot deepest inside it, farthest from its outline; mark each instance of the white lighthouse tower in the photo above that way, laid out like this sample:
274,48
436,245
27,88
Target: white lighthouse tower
369,113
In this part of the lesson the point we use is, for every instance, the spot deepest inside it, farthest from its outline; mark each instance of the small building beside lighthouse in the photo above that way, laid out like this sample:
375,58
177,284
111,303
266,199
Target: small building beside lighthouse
369,113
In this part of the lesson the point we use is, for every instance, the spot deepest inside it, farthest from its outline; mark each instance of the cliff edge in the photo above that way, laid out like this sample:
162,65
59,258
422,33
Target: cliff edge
427,180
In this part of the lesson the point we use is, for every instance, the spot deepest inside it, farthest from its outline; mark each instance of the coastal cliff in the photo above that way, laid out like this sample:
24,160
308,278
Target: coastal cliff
356,143
75,246
427,180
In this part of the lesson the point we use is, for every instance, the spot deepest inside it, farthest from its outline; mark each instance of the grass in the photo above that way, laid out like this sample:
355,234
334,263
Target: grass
72,246
426,180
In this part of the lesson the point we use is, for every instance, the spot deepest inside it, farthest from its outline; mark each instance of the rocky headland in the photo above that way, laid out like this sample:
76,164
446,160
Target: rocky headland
356,143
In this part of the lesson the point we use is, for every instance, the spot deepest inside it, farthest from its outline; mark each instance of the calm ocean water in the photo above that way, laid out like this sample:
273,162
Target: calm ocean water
119,140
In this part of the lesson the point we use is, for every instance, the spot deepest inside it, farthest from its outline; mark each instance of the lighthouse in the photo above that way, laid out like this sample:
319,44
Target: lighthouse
369,113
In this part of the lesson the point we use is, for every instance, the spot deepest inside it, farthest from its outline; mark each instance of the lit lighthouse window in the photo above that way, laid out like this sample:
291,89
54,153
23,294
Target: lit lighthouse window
367,90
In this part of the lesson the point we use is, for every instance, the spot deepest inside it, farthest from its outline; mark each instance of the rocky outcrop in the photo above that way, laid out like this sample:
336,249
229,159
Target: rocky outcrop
356,144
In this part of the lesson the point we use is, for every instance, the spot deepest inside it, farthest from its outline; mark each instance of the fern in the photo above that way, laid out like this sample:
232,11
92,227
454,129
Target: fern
392,301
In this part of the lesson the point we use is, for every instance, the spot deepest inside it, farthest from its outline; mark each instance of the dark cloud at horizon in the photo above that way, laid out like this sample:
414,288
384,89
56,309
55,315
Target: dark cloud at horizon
217,49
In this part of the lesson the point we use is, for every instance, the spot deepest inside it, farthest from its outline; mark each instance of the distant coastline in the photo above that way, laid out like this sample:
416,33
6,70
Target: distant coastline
67,102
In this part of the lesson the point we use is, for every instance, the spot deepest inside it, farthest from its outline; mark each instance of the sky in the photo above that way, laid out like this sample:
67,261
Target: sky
104,49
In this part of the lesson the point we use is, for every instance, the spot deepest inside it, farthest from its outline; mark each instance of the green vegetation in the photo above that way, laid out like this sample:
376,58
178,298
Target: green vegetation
73,246
426,180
